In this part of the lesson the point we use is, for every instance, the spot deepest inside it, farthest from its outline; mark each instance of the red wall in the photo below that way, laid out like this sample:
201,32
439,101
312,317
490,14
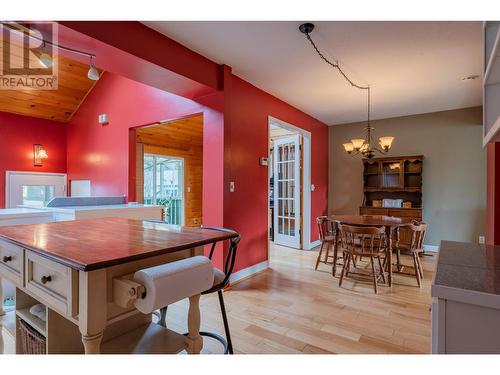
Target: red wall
493,194
239,143
247,210
17,136
101,153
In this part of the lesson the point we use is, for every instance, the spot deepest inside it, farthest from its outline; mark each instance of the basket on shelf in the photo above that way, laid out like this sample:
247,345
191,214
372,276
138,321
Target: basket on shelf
407,204
32,342
377,203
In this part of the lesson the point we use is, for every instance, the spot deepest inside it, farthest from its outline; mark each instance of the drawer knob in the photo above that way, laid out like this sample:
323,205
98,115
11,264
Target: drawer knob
7,258
46,279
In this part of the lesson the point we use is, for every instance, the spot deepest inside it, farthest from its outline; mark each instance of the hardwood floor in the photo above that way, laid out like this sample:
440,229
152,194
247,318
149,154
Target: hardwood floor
290,308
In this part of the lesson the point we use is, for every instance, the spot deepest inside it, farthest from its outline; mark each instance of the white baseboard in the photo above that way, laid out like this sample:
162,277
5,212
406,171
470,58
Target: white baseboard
249,271
312,245
431,248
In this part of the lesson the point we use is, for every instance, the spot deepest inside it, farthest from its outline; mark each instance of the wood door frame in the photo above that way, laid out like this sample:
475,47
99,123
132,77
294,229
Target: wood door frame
132,154
305,182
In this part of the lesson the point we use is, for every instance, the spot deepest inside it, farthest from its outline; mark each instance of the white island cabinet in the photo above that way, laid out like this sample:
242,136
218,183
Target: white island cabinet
466,299
63,209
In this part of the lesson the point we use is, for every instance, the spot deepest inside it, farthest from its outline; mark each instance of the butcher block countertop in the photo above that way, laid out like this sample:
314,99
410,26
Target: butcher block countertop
92,244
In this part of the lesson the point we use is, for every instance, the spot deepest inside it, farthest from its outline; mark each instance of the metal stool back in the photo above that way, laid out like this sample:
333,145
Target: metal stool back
218,287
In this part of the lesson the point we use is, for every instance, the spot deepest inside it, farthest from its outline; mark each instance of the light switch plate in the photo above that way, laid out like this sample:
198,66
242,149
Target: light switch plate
231,187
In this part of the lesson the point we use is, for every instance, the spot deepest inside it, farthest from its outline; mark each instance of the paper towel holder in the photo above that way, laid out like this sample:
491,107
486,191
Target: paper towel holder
126,291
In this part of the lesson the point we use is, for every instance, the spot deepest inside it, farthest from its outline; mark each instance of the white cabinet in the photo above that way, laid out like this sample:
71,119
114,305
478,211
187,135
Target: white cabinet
491,82
466,300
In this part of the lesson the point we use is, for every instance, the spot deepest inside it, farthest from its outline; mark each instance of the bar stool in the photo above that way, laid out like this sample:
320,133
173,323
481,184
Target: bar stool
221,280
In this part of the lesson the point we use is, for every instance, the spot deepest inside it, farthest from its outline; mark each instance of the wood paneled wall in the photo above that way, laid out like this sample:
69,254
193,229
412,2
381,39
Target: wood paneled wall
181,138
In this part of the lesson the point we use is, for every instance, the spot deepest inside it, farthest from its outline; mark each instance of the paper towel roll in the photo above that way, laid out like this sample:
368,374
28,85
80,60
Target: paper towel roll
171,282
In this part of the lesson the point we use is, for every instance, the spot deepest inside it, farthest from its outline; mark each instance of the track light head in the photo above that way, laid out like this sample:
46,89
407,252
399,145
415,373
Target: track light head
46,60
306,28
93,73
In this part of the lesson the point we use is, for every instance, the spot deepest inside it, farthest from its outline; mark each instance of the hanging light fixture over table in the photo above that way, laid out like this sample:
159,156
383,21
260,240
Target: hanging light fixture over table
365,146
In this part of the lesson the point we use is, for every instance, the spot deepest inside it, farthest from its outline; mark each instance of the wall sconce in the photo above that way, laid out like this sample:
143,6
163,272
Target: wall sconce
39,154
103,119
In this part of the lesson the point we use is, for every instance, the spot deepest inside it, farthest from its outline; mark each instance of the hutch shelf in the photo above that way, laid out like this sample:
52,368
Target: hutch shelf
393,178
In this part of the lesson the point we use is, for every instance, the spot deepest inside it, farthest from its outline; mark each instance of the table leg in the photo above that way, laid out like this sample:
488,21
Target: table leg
335,252
194,341
92,311
2,312
389,255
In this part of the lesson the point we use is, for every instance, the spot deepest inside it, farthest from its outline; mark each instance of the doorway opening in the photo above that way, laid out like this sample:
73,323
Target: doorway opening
169,168
289,186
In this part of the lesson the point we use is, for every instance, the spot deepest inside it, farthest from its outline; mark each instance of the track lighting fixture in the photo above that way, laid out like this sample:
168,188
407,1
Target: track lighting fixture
93,73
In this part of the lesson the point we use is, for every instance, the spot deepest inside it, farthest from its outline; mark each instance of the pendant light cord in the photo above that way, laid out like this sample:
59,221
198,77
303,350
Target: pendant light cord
337,66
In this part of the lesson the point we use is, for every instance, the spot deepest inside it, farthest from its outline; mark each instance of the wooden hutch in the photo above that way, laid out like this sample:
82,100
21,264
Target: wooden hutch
393,178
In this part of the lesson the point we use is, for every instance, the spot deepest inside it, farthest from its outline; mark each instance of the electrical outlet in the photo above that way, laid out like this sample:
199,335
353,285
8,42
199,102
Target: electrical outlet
481,239
195,221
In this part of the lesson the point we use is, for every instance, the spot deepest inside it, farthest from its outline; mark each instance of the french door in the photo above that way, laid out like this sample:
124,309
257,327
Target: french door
286,183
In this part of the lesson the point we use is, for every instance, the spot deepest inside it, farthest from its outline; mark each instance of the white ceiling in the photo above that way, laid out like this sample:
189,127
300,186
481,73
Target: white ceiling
412,67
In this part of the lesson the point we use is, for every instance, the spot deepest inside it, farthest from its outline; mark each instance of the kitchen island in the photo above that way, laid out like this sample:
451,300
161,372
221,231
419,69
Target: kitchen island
71,268
466,299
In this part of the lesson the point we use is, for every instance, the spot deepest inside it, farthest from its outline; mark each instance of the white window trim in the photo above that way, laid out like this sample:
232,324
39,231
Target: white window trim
9,174
183,179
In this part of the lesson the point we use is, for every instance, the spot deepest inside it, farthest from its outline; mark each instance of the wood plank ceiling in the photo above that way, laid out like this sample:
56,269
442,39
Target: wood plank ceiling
57,105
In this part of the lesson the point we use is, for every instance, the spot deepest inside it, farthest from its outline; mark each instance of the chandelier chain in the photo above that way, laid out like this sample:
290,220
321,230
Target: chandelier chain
368,148
335,65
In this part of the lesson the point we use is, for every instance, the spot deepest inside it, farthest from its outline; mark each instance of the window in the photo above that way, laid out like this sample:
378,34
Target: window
164,185
37,195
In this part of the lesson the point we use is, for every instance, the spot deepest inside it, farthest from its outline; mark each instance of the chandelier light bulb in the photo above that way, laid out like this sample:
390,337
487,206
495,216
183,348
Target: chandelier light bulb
349,147
386,143
357,143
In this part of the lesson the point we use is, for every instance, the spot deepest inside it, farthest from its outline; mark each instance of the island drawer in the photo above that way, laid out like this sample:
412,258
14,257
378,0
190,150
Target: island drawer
11,262
55,284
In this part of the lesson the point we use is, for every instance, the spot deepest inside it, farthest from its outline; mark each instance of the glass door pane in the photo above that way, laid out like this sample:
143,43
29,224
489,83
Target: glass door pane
286,199
164,185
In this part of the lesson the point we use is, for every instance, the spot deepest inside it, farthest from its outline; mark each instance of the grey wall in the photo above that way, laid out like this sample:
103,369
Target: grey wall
454,177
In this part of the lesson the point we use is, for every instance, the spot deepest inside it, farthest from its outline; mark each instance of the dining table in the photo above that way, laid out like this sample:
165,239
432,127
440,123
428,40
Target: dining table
390,223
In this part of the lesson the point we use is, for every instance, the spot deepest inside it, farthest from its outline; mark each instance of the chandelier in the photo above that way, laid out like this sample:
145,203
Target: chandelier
365,146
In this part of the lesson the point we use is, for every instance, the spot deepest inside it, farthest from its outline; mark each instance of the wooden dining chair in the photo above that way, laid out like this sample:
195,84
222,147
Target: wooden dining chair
363,242
415,248
327,236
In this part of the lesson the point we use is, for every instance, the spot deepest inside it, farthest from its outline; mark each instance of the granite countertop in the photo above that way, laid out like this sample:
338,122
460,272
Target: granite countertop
468,272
